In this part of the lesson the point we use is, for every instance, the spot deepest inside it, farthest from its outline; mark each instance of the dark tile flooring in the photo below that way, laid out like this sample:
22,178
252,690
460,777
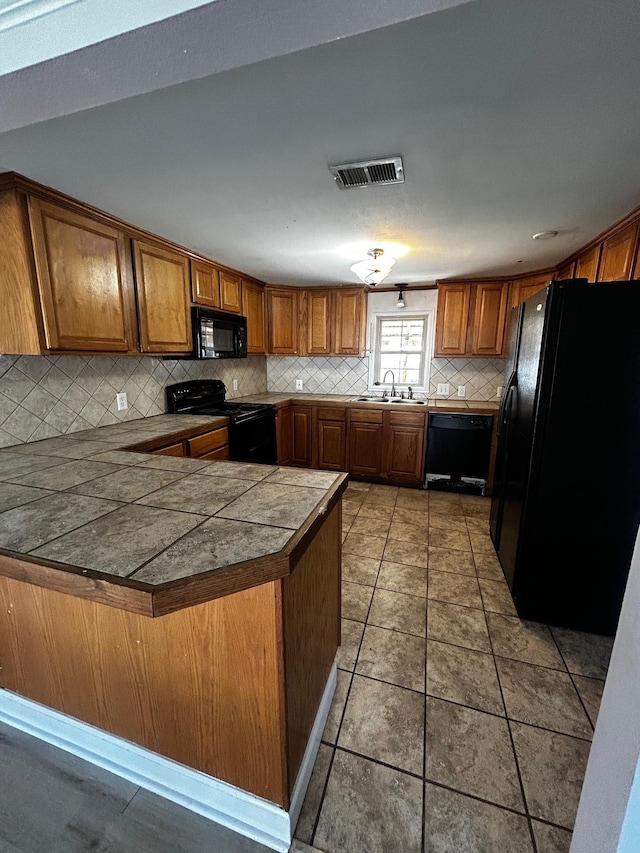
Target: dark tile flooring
455,728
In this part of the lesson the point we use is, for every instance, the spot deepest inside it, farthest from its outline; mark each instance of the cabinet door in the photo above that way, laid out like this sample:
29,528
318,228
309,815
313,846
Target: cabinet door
202,445
284,435
319,310
587,264
617,255
523,288
489,316
162,285
349,321
282,319
452,318
171,450
205,284
253,309
404,443
332,437
85,279
365,442
301,449
566,271
230,295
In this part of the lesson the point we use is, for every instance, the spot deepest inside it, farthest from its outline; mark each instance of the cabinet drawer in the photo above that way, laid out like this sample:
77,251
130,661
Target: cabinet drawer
202,444
220,453
171,450
327,413
365,416
406,418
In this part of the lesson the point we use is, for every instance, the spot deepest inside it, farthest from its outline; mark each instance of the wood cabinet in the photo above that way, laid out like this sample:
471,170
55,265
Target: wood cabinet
201,446
162,286
282,321
365,441
177,449
587,264
253,309
405,445
318,310
284,435
523,288
331,438
471,318
83,271
205,284
349,321
301,436
566,271
617,254
230,292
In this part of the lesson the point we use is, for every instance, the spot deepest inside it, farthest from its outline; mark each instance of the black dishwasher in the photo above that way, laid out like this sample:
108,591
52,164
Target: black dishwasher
458,449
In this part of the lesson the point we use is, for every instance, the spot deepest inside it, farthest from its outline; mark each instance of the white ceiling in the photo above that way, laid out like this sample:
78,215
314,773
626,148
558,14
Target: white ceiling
512,118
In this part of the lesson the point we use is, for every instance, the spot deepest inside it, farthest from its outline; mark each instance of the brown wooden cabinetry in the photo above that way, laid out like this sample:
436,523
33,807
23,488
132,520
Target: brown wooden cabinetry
587,264
282,321
349,321
83,269
365,442
230,292
617,254
529,285
301,436
205,284
331,438
202,446
471,318
162,286
284,435
177,449
253,309
566,271
404,445
318,304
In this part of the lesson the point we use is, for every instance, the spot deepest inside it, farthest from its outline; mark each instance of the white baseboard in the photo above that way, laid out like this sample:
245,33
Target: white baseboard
225,804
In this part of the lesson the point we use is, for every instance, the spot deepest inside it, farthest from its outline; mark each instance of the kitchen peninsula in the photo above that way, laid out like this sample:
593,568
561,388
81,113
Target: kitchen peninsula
190,607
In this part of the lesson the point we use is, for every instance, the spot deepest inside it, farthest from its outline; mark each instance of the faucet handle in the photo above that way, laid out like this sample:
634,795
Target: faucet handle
409,393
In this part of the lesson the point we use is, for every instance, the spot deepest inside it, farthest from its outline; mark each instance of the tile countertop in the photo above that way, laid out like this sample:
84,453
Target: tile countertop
82,504
342,399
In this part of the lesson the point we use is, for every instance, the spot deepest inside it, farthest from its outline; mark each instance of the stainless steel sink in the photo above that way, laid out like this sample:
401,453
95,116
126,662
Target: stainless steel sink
413,402
372,400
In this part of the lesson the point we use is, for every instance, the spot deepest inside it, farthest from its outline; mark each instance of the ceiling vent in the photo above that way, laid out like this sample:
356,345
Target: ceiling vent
369,173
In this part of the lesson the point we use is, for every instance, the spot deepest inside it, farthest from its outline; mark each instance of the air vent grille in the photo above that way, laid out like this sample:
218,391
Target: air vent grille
369,173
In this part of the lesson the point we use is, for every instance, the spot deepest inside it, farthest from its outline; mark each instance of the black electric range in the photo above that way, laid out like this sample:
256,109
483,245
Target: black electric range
252,426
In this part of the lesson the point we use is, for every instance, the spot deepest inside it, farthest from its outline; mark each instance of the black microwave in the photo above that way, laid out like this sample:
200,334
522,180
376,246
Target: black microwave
217,334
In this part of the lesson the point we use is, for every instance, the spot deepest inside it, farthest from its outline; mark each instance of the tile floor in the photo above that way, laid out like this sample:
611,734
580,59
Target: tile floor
429,633
456,727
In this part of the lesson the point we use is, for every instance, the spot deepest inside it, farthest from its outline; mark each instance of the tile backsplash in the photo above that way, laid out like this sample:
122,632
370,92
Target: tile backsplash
481,376
44,396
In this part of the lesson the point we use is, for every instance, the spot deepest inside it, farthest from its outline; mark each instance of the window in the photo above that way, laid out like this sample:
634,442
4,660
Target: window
401,346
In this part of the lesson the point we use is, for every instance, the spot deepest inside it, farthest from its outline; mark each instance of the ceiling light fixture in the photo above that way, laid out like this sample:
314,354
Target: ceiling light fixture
545,235
400,303
374,271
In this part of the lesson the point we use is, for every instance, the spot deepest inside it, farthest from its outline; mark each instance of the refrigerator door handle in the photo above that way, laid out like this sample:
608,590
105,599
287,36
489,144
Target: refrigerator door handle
505,406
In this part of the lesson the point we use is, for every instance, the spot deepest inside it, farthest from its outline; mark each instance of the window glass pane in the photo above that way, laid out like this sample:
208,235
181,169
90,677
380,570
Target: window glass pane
400,345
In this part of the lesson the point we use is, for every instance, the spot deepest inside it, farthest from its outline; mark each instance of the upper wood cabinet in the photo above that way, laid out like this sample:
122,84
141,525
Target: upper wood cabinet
162,285
205,284
528,285
318,308
349,323
253,309
566,271
452,319
282,321
230,292
587,264
618,250
83,269
471,318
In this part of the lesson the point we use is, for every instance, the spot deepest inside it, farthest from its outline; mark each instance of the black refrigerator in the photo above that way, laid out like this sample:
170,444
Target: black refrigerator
565,509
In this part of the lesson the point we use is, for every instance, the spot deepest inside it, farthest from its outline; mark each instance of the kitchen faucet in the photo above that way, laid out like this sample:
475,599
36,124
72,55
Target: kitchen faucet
392,393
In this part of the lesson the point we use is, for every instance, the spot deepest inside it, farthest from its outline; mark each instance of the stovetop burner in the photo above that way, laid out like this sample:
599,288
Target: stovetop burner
207,397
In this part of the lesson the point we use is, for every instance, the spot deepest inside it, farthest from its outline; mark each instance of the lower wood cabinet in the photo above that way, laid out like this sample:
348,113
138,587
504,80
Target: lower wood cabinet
284,435
404,447
331,435
209,445
365,442
171,450
301,428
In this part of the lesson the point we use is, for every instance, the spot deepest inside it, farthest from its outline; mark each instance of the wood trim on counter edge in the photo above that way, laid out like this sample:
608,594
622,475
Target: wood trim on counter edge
158,600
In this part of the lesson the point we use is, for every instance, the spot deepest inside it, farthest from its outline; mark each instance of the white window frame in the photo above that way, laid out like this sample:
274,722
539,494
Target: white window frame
374,347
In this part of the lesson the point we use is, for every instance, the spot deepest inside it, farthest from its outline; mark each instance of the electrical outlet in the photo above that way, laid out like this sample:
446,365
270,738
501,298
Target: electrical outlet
443,389
121,401
299,384
234,384
499,391
462,390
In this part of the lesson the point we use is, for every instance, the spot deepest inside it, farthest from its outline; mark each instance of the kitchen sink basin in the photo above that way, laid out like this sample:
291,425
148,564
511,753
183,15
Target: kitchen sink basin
413,402
388,400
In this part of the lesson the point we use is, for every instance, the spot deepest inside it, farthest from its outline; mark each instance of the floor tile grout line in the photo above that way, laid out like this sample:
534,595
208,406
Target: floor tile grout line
571,676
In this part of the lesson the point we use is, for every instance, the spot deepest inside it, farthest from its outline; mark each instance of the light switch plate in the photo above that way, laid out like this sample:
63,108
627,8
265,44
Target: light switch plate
234,384
443,389
121,401
462,390
299,384
499,391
